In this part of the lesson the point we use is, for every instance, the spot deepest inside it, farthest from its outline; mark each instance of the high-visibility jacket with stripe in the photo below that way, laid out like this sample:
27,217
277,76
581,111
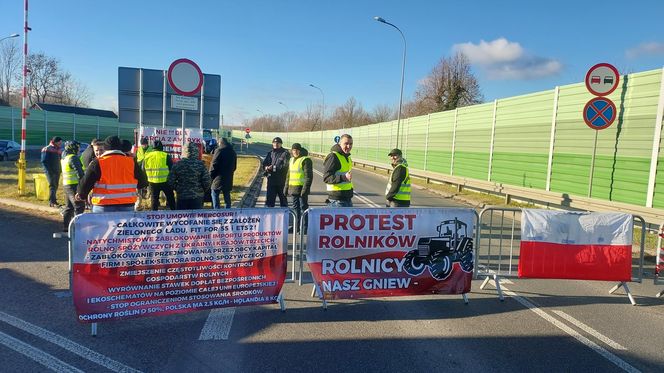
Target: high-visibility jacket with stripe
404,189
296,171
156,166
69,173
346,165
117,184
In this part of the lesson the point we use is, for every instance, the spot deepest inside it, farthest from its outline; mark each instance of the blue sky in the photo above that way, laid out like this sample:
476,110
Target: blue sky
270,51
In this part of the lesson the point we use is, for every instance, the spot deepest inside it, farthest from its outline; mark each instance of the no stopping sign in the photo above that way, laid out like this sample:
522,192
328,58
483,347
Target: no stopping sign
185,77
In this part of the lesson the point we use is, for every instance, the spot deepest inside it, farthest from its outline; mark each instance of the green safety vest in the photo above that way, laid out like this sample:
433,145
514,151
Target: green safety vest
82,163
404,190
346,165
296,171
69,174
156,167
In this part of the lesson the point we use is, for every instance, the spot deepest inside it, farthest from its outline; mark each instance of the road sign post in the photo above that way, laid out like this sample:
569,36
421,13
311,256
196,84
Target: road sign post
186,79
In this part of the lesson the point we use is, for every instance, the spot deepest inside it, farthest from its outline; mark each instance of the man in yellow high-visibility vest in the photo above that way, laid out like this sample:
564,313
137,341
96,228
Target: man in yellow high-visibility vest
157,164
337,173
398,190
72,173
299,179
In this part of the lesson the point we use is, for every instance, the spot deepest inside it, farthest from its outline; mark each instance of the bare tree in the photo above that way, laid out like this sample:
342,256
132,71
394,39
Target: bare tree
10,65
450,84
47,82
382,113
350,114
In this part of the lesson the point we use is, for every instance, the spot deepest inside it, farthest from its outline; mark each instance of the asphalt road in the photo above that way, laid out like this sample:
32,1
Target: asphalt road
541,326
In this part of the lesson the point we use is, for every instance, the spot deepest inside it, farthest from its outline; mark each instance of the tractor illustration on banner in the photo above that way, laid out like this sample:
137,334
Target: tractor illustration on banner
440,253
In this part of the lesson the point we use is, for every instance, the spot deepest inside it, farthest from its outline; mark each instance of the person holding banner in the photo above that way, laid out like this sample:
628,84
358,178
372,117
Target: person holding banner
276,170
157,165
190,179
397,192
72,172
337,173
299,179
113,179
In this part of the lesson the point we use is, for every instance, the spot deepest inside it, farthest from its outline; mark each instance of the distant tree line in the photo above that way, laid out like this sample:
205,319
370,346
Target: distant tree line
47,80
449,85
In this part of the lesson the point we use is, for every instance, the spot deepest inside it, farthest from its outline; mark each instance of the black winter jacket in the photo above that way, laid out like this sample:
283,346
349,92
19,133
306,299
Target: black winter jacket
222,168
278,158
330,166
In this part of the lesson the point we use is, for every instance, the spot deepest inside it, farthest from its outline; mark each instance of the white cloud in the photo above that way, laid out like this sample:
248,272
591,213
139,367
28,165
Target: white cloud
644,49
503,59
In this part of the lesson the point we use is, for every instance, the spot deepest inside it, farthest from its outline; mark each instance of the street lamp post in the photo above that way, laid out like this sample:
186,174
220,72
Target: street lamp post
322,115
262,121
9,37
403,69
287,110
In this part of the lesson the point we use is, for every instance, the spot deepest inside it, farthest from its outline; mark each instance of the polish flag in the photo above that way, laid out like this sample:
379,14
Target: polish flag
576,245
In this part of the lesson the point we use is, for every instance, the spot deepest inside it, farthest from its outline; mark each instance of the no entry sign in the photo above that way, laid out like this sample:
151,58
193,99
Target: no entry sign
185,77
599,113
602,79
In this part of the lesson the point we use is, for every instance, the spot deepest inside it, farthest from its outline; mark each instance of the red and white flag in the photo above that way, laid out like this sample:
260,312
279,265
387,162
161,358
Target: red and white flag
576,245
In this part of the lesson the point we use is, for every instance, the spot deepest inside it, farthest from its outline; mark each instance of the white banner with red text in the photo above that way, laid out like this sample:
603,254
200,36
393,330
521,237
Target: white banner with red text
162,262
362,252
172,139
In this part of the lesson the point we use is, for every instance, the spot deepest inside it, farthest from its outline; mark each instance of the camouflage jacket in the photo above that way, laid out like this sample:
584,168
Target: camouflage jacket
189,177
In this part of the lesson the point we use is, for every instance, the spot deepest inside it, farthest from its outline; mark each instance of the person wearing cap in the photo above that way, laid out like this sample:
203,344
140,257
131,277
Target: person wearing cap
72,172
113,179
157,165
190,179
275,165
299,179
50,160
222,168
397,192
337,174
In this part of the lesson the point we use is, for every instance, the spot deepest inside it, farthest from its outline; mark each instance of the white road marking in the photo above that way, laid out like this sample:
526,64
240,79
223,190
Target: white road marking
43,358
65,343
590,330
218,324
576,335
358,195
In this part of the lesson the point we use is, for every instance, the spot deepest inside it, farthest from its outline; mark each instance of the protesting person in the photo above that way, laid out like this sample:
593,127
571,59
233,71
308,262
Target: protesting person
90,153
157,164
113,178
300,177
50,161
337,173
143,150
275,165
72,173
222,168
190,179
397,192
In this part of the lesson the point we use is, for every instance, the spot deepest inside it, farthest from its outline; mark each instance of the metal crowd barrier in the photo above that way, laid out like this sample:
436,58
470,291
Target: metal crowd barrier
659,262
72,234
316,291
497,250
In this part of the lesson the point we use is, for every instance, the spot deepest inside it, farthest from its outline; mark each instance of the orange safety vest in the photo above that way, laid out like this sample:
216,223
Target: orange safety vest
117,185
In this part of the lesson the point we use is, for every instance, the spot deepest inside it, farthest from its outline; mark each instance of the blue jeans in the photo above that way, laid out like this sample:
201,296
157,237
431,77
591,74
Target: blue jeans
215,198
112,208
339,203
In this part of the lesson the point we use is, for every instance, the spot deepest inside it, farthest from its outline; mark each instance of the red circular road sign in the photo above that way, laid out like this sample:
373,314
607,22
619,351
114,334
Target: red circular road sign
602,79
185,77
599,113
247,130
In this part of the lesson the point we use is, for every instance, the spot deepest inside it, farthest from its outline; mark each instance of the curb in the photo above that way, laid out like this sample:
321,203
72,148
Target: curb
29,205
